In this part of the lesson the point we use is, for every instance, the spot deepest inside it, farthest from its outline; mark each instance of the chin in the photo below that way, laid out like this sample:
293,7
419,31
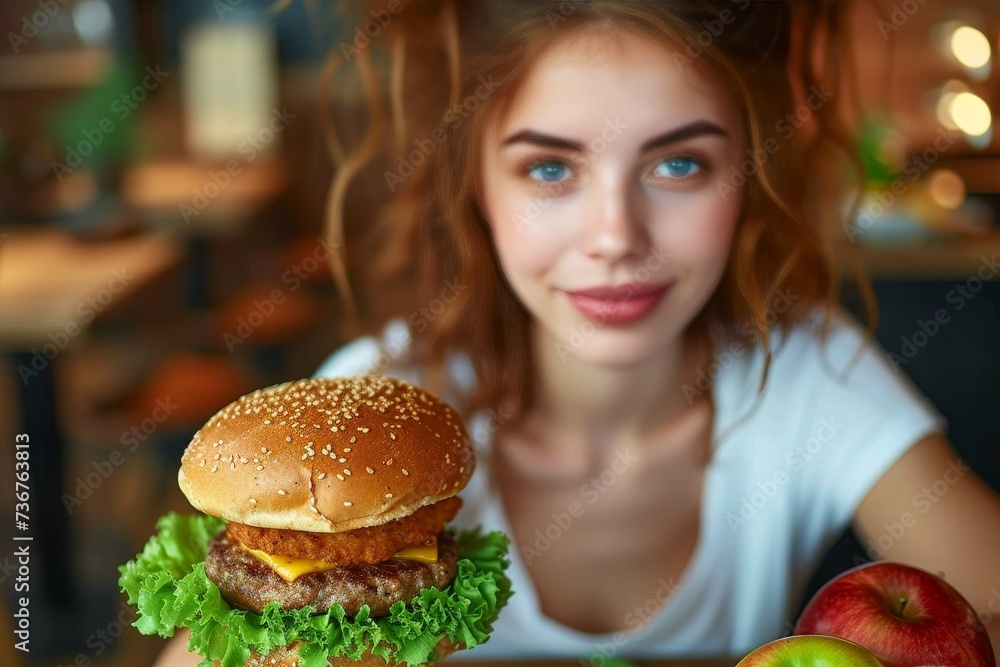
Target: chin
615,346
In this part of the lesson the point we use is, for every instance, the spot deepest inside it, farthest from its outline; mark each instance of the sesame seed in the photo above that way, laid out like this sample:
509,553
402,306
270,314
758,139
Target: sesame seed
406,472
346,471
389,462
341,460
263,450
202,464
347,503
388,495
392,435
253,501
304,457
288,438
348,449
260,467
217,457
370,471
321,475
281,492
340,477
214,468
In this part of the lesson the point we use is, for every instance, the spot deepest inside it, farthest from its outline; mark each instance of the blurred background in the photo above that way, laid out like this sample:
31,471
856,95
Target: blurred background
162,184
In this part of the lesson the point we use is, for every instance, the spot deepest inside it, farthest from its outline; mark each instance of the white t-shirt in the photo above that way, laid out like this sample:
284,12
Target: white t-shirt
789,471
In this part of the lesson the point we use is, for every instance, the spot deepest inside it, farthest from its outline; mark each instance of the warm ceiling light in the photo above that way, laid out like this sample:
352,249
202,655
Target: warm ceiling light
970,47
947,189
970,113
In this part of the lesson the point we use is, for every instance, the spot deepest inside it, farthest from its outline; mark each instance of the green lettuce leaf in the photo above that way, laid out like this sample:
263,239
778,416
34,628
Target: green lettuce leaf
167,584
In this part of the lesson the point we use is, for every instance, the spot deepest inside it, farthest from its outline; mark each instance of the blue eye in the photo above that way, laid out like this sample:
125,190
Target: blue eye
547,172
677,167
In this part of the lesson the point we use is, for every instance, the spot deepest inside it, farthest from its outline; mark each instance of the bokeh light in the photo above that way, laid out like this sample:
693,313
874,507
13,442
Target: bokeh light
970,114
947,188
970,47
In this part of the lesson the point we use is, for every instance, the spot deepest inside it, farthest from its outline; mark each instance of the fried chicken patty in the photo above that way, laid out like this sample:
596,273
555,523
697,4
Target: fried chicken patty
362,545
247,583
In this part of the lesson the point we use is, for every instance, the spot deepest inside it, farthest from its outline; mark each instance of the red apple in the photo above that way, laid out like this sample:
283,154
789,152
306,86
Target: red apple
906,616
810,651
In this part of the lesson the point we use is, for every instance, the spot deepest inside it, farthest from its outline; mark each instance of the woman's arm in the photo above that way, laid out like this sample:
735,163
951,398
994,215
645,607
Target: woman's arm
932,511
176,653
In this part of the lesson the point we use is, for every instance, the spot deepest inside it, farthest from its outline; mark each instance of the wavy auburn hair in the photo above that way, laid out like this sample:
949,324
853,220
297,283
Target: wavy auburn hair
443,73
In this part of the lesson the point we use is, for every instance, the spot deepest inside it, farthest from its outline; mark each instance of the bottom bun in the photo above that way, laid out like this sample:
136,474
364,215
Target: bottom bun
288,656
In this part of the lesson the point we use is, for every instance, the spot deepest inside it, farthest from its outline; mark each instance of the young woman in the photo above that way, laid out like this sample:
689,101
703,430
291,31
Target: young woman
612,213
613,224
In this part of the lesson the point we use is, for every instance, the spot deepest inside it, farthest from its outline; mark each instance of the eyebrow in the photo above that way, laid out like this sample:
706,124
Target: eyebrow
691,130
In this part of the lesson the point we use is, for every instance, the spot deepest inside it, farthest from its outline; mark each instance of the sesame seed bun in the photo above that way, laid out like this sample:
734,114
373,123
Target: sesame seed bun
327,455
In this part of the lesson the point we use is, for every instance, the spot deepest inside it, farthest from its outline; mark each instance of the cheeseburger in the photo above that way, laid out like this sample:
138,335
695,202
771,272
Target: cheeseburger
326,504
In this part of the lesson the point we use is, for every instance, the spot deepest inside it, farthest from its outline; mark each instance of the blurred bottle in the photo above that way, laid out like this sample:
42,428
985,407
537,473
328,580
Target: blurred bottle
229,84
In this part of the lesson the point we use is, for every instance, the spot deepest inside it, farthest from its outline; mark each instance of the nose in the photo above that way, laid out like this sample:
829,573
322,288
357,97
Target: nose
615,227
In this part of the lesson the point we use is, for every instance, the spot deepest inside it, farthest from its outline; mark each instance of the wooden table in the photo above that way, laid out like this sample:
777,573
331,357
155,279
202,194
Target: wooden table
176,655
52,287
47,278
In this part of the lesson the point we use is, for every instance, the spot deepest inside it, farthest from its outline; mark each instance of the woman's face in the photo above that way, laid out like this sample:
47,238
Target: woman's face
608,191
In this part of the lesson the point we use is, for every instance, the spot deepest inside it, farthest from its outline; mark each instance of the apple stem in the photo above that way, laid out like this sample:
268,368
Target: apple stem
902,604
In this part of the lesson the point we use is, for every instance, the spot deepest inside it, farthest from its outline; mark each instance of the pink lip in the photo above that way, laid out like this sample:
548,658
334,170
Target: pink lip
619,304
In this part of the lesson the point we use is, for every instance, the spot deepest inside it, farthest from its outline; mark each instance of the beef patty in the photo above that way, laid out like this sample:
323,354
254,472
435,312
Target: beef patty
247,583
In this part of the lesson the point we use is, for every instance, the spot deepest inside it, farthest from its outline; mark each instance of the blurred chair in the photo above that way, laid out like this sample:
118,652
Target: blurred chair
264,319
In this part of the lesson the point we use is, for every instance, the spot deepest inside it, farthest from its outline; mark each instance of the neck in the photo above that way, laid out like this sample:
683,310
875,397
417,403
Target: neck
594,403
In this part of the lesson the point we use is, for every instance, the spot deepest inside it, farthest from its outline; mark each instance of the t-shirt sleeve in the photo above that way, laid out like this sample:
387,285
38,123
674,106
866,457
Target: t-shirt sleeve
865,415
388,353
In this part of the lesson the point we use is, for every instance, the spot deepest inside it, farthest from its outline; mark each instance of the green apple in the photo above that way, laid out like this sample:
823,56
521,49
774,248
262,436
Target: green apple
810,651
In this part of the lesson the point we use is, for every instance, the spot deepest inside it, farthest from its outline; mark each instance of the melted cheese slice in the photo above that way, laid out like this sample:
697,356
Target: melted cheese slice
291,568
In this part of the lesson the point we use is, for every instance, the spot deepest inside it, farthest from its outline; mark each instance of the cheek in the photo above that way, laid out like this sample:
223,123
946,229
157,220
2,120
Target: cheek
702,232
528,242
